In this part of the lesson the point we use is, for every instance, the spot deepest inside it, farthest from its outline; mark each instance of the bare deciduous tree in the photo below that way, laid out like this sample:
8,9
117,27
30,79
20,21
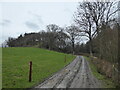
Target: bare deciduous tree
73,33
91,16
84,20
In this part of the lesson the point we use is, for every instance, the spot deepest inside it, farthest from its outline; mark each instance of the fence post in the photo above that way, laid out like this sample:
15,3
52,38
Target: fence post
65,58
30,71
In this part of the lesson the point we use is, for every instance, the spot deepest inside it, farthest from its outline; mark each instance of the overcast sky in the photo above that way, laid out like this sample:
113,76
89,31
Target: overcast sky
18,18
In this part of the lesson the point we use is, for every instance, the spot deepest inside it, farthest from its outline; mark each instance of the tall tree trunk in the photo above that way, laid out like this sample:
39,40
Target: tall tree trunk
90,37
118,61
73,50
90,46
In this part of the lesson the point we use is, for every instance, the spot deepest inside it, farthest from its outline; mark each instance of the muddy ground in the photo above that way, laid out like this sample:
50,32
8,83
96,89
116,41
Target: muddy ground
75,75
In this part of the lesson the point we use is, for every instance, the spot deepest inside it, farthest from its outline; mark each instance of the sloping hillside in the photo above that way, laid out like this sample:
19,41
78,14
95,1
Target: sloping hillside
16,65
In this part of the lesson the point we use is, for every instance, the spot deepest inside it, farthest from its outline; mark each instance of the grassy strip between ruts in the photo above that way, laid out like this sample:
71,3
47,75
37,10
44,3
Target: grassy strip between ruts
15,65
106,82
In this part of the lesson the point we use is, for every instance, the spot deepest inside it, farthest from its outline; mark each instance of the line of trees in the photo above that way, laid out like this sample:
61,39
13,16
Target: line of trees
99,22
94,20
92,16
53,38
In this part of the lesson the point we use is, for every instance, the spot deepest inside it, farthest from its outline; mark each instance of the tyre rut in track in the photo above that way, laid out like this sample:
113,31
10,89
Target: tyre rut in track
75,75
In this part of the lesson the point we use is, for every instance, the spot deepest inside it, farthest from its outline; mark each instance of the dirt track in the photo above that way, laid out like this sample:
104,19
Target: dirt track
76,75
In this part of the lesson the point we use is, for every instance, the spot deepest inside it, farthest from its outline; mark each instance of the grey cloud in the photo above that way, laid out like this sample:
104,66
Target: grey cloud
32,25
5,22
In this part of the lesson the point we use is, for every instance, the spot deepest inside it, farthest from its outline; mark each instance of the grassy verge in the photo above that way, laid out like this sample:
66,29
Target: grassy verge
15,65
106,82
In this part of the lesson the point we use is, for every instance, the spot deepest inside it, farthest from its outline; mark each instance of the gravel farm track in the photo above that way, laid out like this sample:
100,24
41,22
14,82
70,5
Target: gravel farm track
75,75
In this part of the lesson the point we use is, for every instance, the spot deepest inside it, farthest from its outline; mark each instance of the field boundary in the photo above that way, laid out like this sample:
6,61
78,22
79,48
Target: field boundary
106,82
52,74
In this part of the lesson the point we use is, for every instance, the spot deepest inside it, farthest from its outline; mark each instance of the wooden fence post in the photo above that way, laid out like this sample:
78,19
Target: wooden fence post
65,59
30,71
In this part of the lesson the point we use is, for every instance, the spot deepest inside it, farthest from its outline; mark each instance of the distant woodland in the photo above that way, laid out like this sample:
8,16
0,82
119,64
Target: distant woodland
96,21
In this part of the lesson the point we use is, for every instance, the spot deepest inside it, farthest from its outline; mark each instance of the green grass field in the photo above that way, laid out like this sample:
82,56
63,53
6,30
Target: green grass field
15,65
